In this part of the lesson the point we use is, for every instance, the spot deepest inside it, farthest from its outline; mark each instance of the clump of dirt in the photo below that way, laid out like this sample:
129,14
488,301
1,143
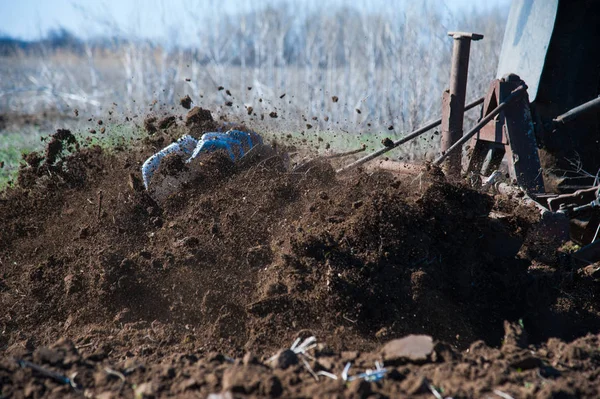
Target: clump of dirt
62,139
241,259
149,124
197,116
152,124
186,102
51,168
171,165
167,122
33,159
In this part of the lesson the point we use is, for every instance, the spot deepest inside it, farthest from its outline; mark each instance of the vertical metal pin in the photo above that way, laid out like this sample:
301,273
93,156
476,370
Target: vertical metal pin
453,101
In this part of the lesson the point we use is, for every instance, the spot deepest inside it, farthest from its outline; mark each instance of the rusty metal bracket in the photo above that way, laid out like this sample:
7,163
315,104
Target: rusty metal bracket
508,137
453,99
513,97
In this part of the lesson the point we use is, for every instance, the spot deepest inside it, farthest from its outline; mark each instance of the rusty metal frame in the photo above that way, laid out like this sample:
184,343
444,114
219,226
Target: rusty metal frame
509,137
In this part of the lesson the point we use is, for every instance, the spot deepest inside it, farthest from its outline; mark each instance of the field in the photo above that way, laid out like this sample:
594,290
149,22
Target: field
264,279
192,295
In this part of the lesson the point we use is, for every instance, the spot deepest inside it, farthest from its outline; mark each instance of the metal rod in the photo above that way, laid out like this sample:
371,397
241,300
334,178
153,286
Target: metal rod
410,136
453,111
345,154
513,96
575,112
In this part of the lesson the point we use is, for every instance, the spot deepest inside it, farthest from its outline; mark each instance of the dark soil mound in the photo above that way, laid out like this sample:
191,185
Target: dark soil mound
247,259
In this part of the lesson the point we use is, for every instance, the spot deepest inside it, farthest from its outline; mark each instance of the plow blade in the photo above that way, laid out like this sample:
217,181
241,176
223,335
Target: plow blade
526,40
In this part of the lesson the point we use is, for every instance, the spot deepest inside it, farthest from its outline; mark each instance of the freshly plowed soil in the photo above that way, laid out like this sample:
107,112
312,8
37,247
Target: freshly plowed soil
190,295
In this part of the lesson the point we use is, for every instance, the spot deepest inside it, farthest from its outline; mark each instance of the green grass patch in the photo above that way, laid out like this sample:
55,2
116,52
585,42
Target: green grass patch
12,147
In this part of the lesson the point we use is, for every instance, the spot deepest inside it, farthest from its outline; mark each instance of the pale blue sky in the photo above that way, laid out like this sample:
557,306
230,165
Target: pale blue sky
155,19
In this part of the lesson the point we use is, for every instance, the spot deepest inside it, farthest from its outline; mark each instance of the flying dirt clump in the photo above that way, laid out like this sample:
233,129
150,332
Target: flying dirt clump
149,124
59,145
167,122
186,102
197,116
200,120
59,141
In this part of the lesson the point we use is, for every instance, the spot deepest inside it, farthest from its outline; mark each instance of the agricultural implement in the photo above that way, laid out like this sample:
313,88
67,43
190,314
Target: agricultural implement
539,132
